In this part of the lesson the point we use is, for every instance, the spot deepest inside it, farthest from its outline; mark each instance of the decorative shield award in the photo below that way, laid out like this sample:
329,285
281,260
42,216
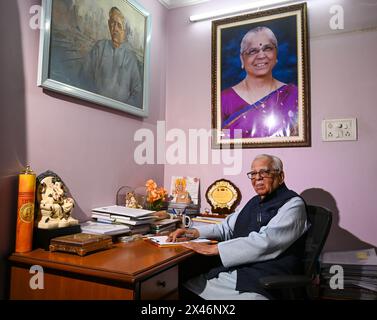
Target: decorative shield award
223,196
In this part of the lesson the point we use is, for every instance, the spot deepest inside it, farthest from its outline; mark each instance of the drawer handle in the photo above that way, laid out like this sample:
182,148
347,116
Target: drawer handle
161,283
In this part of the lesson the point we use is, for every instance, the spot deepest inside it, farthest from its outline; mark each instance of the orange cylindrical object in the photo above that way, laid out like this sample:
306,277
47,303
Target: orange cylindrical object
25,211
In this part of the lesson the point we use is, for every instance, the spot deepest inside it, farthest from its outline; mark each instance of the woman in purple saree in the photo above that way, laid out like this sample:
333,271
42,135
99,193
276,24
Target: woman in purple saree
272,116
259,105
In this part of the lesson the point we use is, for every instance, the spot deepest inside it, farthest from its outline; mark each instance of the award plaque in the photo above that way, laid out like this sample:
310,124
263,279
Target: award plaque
223,196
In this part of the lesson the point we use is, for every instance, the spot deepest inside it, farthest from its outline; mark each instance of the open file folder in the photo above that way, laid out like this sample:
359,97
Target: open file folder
160,241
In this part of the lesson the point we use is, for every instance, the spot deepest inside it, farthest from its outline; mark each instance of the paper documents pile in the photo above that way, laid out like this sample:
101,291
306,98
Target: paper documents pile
117,220
359,270
164,226
93,227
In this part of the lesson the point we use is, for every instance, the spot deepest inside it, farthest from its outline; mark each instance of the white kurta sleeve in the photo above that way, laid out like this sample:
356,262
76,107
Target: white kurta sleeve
273,239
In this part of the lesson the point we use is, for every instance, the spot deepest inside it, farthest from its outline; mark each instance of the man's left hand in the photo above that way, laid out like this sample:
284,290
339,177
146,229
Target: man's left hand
203,248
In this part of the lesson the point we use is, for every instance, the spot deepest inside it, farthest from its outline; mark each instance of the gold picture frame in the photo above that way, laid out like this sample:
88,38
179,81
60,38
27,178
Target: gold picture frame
278,115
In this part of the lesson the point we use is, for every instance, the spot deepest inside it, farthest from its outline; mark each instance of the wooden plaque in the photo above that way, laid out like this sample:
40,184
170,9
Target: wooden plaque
223,196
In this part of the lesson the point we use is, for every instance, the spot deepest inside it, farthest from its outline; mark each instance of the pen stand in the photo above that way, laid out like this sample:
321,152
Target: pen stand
183,208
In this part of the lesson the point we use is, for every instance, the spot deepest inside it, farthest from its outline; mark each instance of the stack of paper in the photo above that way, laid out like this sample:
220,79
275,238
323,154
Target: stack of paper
123,211
164,225
138,220
359,270
103,228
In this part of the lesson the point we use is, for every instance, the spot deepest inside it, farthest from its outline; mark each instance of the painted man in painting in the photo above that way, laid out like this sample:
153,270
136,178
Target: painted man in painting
111,68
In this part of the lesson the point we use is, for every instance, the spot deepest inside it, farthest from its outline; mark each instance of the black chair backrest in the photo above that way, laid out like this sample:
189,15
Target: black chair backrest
320,223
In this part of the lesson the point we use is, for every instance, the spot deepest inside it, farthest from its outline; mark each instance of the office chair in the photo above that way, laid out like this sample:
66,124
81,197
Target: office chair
296,286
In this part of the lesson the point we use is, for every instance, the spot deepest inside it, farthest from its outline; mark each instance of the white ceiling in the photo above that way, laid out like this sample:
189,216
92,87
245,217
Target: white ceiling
170,4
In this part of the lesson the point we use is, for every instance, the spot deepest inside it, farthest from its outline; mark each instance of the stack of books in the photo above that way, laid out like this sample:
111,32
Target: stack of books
183,208
199,221
93,227
136,220
349,275
164,226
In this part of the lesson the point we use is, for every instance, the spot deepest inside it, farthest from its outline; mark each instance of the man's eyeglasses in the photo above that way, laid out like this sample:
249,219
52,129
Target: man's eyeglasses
263,173
267,48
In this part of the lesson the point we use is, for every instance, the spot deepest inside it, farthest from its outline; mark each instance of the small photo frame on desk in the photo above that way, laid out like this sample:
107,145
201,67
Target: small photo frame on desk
185,190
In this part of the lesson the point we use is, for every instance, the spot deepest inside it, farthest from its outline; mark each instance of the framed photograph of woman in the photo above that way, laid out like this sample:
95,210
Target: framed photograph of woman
260,79
97,51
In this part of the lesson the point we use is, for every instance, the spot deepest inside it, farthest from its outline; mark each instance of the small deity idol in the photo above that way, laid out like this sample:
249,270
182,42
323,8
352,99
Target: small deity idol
54,207
131,201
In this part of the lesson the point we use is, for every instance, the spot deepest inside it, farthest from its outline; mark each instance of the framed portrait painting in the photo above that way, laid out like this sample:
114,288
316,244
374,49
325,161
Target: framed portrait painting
260,79
97,51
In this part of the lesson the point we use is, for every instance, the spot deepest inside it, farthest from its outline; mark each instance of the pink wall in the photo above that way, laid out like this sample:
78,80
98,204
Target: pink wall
92,147
89,146
12,130
339,175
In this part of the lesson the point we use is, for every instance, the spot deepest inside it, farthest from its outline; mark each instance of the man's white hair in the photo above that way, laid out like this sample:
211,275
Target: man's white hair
277,164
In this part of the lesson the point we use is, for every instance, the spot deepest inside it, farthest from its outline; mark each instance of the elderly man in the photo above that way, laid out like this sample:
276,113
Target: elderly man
264,238
111,69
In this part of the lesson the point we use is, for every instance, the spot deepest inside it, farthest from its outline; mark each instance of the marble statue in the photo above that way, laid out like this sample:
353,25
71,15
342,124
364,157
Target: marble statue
54,208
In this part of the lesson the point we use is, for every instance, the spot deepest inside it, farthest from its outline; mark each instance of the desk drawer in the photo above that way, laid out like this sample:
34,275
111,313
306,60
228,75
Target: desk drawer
160,285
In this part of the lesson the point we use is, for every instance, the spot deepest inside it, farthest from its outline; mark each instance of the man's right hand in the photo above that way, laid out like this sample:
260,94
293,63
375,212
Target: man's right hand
180,235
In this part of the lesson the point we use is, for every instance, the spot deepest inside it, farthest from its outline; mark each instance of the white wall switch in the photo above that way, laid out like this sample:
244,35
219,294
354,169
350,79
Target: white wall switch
339,129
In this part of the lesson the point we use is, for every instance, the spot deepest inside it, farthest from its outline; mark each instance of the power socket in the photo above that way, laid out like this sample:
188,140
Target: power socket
339,129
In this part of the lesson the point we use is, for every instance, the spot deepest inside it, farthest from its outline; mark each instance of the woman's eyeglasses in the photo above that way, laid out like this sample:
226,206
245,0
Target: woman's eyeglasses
267,48
263,173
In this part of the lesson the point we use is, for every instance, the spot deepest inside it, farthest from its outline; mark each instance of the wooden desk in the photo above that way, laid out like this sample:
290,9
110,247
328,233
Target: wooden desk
131,271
